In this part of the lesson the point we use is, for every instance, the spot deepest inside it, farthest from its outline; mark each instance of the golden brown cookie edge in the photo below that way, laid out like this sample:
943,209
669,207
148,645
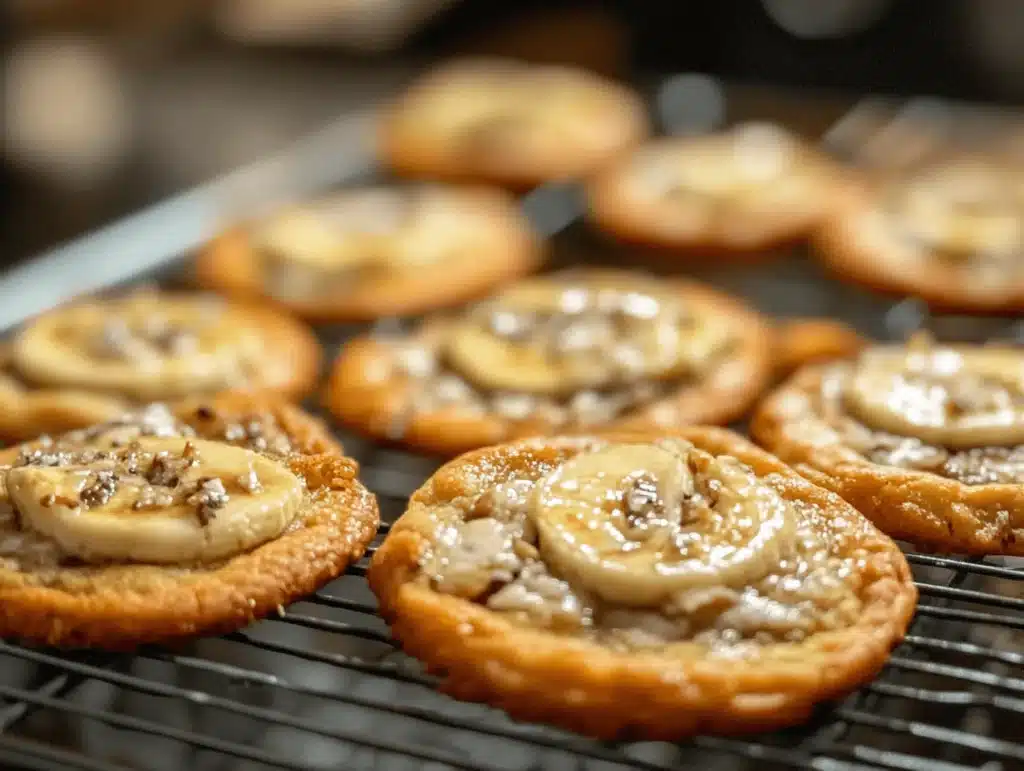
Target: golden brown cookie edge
585,687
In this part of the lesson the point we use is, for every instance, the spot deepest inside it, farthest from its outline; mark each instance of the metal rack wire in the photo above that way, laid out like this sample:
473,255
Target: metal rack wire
952,697
322,686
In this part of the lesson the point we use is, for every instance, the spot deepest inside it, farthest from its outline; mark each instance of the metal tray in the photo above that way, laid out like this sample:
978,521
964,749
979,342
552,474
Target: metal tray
323,687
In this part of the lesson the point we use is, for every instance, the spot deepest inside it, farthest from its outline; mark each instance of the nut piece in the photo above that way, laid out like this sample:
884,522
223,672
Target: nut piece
210,496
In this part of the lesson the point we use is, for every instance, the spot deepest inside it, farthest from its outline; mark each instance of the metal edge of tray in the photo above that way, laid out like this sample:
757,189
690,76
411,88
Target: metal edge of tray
165,231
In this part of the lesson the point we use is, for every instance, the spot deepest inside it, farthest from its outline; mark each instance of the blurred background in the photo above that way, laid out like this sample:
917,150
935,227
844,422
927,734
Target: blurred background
113,104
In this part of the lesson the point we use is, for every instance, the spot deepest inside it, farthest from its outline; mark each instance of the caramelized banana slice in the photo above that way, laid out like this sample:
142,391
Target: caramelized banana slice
962,210
629,523
158,500
956,398
145,346
543,339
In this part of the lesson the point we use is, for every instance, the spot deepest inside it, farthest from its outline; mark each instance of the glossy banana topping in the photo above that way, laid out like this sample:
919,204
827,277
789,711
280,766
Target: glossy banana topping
954,411
543,338
143,492
751,160
636,524
961,211
512,107
144,346
957,398
648,544
147,488
569,349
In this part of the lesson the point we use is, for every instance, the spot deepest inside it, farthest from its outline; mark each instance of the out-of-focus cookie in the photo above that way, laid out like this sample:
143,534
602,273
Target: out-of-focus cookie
586,349
509,123
926,440
375,252
651,586
949,231
742,190
92,360
812,340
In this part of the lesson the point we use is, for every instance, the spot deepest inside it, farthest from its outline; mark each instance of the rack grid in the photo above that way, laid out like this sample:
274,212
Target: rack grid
322,686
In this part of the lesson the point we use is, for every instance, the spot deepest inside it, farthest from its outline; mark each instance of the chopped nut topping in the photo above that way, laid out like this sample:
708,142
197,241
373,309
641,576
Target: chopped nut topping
57,500
153,498
209,496
258,433
155,338
250,482
167,470
992,465
42,456
642,497
152,420
99,488
511,326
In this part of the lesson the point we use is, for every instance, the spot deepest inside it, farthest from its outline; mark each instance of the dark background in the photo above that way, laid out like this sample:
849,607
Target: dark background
201,105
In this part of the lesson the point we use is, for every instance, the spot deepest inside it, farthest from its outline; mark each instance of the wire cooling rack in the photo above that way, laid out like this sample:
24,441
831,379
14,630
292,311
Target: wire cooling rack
322,686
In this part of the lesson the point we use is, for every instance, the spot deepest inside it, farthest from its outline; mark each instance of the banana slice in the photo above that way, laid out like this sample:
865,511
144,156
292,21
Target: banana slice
964,221
631,524
338,233
161,500
544,338
144,347
950,397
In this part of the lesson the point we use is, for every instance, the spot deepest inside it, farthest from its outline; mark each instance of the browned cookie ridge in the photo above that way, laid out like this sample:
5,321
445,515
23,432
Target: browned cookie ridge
650,586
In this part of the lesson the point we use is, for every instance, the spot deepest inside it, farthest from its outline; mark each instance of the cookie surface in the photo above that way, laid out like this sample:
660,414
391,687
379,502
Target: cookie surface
90,361
375,252
509,123
950,232
95,526
927,441
749,188
588,349
641,585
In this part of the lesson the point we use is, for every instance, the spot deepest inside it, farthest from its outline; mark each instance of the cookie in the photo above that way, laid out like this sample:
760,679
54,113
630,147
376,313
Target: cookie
374,252
950,232
509,123
157,527
645,586
806,341
926,440
580,350
740,191
90,361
